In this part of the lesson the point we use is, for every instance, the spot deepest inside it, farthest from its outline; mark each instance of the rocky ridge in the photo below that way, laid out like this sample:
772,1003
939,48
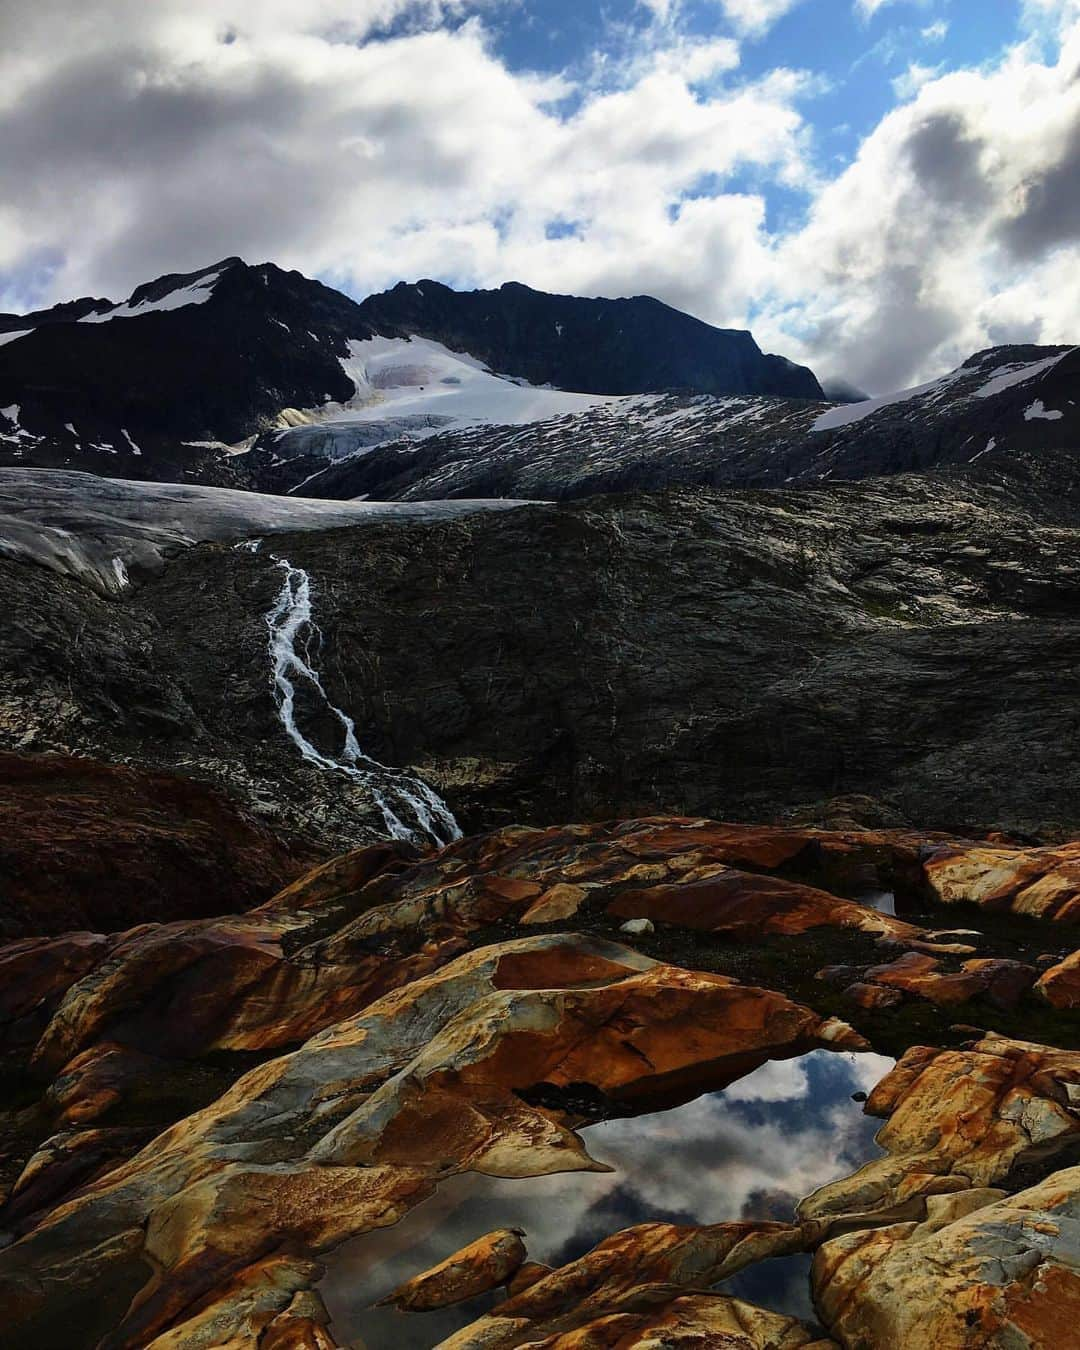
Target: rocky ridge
1001,403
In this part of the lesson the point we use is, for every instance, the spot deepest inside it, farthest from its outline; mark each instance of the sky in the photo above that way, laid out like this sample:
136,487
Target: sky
878,188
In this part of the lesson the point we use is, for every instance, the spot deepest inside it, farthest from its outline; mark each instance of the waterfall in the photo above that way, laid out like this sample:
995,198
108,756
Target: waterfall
411,809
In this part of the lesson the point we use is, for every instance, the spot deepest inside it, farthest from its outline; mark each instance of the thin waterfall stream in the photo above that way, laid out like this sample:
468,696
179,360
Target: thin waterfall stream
410,808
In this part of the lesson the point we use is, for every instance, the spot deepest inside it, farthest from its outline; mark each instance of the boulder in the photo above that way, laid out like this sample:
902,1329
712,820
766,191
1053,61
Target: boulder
1043,883
1060,983
983,1269
957,1119
487,1263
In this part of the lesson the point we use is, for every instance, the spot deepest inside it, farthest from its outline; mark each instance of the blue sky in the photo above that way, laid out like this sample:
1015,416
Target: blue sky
856,56
877,187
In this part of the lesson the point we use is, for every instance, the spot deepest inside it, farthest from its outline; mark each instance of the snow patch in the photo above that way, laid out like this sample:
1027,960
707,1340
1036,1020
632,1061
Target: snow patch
1020,373
1039,410
196,294
11,337
849,413
127,437
413,388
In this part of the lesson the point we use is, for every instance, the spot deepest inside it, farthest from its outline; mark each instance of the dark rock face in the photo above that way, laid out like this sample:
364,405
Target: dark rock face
140,389
735,654
626,346
102,847
1001,403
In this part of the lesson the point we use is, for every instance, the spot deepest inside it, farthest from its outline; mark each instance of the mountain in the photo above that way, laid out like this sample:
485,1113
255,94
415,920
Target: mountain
1000,402
627,346
187,363
160,385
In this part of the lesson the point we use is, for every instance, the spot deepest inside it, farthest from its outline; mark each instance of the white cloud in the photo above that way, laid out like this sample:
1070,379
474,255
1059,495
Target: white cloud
935,32
755,17
161,137
868,8
908,84
957,227
170,146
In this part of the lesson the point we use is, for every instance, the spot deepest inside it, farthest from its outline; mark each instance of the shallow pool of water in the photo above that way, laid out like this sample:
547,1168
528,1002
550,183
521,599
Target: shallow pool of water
749,1152
883,901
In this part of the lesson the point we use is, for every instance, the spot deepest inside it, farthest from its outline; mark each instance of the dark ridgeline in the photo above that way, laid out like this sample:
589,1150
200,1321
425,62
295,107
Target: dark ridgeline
629,346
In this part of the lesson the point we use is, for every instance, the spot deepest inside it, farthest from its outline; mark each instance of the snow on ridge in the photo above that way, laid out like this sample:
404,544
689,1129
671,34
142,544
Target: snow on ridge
849,413
196,294
1020,374
10,337
413,388
1006,378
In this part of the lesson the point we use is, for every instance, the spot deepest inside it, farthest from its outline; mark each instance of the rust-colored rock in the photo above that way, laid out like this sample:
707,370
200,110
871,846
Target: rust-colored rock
719,899
1003,983
872,997
394,1056
347,1133
1060,983
633,1283
487,1263
102,846
984,1270
957,1119
654,1320
1043,883
269,1305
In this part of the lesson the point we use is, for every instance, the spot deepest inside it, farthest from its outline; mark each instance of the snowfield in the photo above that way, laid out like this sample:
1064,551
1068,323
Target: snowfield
102,529
412,388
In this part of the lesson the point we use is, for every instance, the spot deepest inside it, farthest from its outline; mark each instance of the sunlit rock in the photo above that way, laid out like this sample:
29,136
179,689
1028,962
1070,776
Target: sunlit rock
984,1269
957,1119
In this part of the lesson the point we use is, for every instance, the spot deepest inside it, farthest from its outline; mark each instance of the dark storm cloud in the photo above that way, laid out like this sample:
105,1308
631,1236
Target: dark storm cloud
1050,214
946,157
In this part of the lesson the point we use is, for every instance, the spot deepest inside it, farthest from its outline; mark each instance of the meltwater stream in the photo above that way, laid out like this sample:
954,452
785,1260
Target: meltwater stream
410,808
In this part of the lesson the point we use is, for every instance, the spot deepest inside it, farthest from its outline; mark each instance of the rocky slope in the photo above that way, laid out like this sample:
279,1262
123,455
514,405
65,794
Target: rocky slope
1001,403
749,655
200,1114
98,846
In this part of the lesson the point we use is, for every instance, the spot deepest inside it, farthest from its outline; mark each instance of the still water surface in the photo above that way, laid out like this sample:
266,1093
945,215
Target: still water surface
749,1152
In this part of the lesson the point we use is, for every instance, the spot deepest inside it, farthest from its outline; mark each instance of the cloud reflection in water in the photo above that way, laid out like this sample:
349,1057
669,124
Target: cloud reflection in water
749,1152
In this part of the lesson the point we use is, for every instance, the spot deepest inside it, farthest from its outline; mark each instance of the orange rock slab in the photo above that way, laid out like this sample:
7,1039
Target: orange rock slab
1043,883
487,1263
957,1119
983,1270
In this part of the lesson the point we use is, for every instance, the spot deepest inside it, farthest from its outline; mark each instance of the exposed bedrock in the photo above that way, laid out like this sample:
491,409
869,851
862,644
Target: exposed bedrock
347,1133
102,847
910,645
212,1107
